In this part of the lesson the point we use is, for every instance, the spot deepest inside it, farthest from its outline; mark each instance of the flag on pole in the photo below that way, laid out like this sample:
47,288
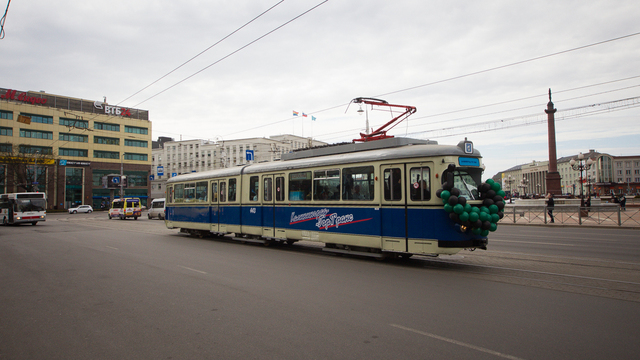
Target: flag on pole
313,118
295,113
304,115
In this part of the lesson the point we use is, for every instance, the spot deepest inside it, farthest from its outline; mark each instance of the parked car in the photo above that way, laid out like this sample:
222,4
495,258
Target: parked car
81,209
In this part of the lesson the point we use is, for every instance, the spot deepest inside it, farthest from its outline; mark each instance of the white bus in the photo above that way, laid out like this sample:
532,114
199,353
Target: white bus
27,207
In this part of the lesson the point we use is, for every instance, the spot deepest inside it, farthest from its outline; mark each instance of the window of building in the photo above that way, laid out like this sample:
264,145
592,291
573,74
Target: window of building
6,115
134,156
136,130
6,131
73,152
136,143
7,148
106,140
73,137
82,124
27,149
39,118
136,178
106,126
36,134
106,154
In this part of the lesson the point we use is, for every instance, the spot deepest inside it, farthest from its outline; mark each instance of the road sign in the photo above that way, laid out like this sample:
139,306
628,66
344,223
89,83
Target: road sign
174,174
249,155
160,170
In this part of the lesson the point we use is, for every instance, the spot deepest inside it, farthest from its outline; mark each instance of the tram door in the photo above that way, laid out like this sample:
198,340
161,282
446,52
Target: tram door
214,214
393,209
421,221
268,207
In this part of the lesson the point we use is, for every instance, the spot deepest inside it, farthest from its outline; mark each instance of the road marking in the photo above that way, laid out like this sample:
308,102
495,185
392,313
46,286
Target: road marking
188,268
111,247
530,242
456,342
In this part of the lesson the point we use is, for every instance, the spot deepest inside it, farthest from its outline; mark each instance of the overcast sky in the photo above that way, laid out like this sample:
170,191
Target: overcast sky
459,62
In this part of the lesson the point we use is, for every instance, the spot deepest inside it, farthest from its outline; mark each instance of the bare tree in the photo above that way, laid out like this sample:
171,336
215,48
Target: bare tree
27,170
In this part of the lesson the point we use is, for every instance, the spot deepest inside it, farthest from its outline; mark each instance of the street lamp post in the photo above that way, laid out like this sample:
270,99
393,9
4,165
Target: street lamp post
523,184
581,165
510,180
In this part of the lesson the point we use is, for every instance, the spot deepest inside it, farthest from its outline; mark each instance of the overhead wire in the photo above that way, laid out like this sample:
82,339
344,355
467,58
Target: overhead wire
234,52
2,21
461,76
202,52
509,101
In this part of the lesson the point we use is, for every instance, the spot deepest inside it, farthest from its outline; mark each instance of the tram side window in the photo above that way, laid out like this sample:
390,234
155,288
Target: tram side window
254,183
420,183
232,189
358,183
268,189
326,185
214,192
179,193
170,192
300,186
201,191
190,192
223,191
392,184
280,189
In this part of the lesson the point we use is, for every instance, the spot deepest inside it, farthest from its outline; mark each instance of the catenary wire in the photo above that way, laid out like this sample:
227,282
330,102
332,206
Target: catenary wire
3,19
203,51
460,76
234,52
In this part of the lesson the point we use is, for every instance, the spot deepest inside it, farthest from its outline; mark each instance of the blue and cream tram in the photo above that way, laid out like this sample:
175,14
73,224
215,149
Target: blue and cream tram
375,198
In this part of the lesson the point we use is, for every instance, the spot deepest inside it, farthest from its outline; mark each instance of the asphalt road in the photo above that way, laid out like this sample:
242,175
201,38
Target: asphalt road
620,244
84,287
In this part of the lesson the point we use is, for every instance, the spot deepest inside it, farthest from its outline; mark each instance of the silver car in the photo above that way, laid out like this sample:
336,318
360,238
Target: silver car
81,209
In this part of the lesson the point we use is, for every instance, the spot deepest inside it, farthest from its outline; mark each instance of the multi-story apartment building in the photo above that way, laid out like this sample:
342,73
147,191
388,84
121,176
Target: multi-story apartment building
173,158
65,146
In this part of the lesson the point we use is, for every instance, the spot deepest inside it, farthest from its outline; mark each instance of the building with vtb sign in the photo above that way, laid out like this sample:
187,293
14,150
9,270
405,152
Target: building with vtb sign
65,147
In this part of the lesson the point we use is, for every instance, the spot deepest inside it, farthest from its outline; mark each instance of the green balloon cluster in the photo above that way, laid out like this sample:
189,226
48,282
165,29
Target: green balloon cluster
479,219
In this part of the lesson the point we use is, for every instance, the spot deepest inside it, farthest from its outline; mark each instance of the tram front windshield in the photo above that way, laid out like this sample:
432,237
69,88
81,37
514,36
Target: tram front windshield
466,180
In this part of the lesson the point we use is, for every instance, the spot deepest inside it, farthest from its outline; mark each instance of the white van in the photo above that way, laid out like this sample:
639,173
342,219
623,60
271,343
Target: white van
156,209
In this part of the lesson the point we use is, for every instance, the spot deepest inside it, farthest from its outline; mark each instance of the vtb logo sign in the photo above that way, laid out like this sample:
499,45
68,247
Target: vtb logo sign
112,110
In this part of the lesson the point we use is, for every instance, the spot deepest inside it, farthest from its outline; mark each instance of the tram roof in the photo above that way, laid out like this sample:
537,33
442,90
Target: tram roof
344,154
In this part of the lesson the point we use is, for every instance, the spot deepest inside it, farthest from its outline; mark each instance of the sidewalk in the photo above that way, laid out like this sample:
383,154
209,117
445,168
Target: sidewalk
571,215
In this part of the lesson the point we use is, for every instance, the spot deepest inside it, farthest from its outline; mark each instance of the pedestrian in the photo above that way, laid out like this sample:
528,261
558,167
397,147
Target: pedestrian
550,204
623,202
